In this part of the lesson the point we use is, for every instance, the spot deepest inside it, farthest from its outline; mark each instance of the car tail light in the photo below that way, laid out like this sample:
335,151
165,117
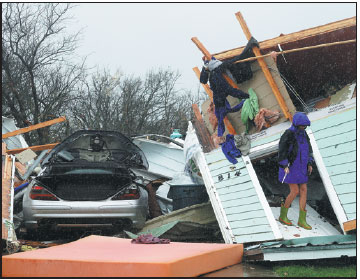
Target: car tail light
130,192
40,193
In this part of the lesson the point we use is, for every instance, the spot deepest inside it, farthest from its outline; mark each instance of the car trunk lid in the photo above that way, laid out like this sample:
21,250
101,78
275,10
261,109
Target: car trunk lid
85,187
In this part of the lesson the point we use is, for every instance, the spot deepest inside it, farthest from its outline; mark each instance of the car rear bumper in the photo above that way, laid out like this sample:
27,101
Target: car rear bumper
80,214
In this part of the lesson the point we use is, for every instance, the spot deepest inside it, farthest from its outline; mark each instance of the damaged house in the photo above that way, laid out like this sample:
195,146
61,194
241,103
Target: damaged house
237,196
314,73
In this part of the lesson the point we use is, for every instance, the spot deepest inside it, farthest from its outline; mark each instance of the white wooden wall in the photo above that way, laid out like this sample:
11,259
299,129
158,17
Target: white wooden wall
336,140
246,209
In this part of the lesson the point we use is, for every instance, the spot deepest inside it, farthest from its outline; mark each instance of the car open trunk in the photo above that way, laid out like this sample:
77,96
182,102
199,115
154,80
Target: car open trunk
85,187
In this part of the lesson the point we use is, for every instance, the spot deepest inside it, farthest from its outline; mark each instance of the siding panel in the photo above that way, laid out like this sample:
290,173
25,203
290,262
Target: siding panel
252,237
345,168
340,129
247,223
239,199
338,149
336,139
234,203
236,195
248,200
222,180
231,191
345,188
340,158
228,169
245,208
350,209
347,198
252,230
341,179
334,120
266,140
245,215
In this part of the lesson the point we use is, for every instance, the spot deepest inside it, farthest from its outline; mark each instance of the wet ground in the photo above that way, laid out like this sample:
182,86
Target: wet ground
251,270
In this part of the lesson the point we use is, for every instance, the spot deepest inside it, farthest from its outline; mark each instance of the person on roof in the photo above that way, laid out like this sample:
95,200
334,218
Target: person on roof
212,72
295,165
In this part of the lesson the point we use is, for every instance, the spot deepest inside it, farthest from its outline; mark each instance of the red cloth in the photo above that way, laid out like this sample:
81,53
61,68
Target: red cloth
149,239
265,116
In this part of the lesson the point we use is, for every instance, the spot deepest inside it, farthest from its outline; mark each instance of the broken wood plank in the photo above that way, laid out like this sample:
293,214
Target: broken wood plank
3,149
209,92
201,130
34,148
265,69
33,127
349,225
7,197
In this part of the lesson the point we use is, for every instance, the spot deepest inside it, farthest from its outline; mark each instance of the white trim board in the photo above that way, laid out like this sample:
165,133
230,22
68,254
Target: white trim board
264,149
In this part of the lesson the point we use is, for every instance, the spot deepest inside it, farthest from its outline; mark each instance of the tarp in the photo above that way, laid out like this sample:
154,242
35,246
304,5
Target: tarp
14,142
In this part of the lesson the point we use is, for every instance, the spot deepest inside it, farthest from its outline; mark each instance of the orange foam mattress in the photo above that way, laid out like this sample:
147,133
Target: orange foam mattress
101,256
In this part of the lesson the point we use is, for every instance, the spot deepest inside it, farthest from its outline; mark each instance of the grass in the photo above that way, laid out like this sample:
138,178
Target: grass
330,268
295,271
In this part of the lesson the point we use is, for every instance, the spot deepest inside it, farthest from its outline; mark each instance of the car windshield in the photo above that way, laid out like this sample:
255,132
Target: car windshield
97,148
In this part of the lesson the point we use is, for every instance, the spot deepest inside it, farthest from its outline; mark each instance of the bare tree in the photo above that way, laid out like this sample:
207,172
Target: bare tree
131,105
38,79
98,104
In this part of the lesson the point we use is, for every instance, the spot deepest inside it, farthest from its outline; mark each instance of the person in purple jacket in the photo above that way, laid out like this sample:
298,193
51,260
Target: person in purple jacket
295,165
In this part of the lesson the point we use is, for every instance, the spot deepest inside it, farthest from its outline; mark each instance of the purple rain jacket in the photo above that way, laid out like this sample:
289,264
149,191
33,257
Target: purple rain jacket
295,150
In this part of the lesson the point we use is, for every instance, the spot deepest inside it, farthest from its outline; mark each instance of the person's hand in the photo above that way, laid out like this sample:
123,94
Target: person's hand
310,169
274,55
287,170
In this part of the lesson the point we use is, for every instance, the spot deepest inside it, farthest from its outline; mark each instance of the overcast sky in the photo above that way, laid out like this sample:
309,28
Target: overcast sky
137,37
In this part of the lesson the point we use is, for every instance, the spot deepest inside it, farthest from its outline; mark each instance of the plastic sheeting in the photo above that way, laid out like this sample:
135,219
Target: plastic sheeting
14,142
191,147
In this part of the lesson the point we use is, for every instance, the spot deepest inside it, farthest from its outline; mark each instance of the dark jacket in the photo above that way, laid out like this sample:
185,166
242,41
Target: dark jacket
288,148
218,84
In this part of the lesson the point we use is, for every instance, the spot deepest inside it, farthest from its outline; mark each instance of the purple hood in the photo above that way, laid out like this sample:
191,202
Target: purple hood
299,119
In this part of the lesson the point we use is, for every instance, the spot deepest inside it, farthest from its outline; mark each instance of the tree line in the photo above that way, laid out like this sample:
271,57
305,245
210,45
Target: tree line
41,81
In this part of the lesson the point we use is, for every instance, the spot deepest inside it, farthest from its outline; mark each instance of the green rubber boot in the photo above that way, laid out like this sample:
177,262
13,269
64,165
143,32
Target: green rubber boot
283,216
302,220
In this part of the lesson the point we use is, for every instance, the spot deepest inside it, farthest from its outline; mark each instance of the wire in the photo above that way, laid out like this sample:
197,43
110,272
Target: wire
293,91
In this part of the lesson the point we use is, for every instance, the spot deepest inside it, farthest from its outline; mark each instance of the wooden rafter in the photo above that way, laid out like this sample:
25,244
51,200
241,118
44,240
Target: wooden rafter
288,38
265,69
34,148
33,127
299,49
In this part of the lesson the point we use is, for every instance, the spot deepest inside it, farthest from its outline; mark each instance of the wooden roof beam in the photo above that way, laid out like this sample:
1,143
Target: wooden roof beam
34,148
287,38
33,127
265,69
